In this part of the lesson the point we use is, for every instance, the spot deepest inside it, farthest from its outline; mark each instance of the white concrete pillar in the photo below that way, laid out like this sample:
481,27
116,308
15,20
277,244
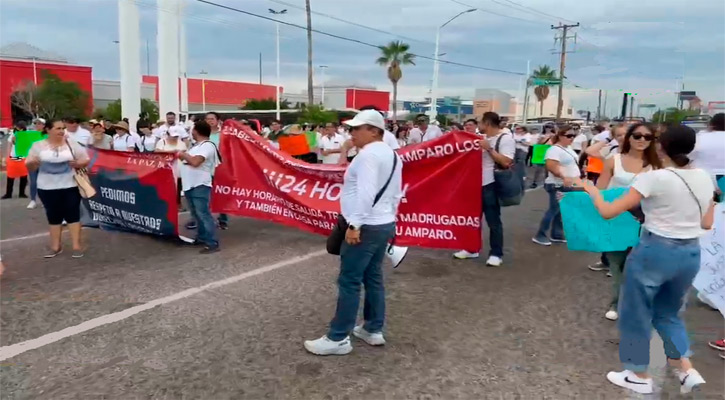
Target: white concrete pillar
129,45
182,59
168,51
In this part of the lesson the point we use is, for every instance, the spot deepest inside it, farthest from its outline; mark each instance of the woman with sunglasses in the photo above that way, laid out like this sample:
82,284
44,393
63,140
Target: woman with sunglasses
678,206
56,158
637,154
545,138
562,163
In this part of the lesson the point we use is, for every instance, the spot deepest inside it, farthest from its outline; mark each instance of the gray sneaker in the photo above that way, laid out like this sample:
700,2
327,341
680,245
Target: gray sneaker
77,254
52,253
541,240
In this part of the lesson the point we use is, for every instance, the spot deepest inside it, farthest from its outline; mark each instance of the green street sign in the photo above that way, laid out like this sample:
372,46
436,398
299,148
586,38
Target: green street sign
545,82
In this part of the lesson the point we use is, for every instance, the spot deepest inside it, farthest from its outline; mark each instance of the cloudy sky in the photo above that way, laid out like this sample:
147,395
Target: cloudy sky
643,46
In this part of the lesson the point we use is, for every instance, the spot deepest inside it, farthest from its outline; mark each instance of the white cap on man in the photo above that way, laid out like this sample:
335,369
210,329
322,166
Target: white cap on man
367,117
176,131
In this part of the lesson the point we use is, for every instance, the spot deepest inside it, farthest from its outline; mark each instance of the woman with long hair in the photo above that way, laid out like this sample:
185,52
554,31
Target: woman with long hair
56,158
637,154
402,135
677,202
562,164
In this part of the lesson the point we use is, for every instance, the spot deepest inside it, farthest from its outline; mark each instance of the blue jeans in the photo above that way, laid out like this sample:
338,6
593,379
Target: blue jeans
658,274
492,212
362,264
552,217
198,199
33,175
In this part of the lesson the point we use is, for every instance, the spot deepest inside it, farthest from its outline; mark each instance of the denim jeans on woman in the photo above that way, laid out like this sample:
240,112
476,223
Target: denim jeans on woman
33,176
659,272
198,199
362,265
551,222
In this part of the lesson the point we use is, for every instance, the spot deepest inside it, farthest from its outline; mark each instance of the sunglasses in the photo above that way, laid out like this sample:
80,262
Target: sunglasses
569,136
639,136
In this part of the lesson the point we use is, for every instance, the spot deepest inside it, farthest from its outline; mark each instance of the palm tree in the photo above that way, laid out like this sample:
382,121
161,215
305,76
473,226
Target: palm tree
310,94
542,91
395,54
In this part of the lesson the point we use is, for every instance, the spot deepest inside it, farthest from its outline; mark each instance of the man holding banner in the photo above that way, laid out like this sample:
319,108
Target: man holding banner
371,192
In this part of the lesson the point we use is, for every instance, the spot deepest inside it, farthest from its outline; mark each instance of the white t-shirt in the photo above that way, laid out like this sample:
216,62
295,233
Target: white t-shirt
364,178
523,141
602,136
418,136
331,143
55,171
147,144
507,148
670,209
568,163
165,147
579,142
163,130
390,140
126,142
81,136
192,177
709,153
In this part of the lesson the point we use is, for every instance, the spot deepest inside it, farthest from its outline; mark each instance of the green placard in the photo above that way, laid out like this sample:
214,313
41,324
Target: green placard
311,138
23,141
539,153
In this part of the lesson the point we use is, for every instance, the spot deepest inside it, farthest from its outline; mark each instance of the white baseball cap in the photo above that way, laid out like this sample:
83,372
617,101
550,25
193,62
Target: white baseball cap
367,117
176,131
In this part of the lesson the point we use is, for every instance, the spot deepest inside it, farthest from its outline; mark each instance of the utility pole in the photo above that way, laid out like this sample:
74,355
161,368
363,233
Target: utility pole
565,29
599,106
631,107
624,106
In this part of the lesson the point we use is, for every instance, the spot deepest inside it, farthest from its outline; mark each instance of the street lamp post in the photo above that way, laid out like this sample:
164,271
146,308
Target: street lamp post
436,55
203,89
277,28
322,72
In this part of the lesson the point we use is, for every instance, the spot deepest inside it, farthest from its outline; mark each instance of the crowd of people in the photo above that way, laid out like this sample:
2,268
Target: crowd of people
670,173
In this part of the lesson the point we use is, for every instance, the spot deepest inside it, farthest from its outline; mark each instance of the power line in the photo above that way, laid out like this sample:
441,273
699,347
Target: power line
351,23
492,12
532,9
332,35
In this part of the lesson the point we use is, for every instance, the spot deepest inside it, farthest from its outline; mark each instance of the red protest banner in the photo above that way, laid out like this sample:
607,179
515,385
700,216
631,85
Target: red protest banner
441,207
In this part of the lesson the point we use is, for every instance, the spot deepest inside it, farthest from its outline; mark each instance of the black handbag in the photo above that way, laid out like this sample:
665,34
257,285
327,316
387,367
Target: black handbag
507,182
337,236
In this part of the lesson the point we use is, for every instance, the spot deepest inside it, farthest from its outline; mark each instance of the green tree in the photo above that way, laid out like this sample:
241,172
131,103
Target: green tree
53,98
316,114
395,55
113,111
265,104
672,115
542,91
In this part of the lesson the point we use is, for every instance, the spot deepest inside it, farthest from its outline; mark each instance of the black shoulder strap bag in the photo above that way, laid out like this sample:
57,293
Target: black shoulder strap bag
337,236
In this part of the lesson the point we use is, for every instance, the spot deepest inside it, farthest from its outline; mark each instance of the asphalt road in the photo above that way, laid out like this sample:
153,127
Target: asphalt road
531,329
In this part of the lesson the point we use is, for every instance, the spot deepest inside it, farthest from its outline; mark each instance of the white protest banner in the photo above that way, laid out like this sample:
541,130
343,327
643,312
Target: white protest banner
710,281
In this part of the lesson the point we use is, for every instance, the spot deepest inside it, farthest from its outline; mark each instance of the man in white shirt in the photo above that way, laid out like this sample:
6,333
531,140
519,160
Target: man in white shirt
424,132
348,147
709,153
331,144
579,145
197,169
369,201
74,131
499,149
171,121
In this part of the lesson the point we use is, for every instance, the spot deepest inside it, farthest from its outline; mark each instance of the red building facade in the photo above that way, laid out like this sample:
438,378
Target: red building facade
221,92
356,98
14,74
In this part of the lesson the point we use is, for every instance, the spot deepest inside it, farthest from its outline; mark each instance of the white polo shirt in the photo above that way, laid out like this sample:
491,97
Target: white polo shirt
418,136
333,142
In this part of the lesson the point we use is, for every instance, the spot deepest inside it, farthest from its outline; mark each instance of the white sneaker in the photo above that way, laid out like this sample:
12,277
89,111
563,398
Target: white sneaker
373,339
464,255
32,205
611,315
689,380
627,379
494,261
325,347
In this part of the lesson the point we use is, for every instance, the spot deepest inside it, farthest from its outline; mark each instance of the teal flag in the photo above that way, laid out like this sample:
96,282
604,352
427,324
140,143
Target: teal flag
721,185
586,230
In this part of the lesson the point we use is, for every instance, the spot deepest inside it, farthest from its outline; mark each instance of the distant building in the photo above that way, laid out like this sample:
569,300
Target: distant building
340,96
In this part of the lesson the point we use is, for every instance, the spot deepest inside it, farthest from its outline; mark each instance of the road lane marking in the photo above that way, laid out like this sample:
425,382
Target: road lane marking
41,234
22,347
